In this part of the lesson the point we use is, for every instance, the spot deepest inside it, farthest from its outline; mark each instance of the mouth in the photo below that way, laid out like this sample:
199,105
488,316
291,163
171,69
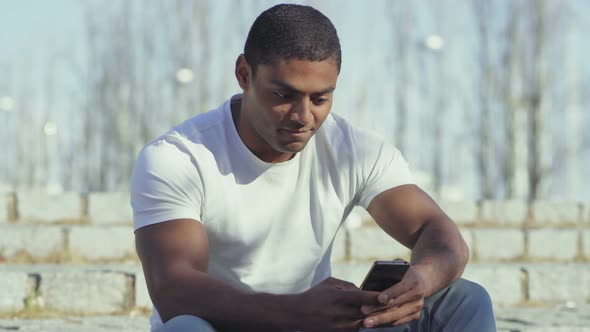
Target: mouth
295,133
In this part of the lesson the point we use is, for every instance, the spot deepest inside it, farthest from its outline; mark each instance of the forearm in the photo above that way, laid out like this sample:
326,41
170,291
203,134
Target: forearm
227,308
439,255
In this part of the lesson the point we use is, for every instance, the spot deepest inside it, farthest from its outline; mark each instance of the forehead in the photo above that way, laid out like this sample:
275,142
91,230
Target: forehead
304,75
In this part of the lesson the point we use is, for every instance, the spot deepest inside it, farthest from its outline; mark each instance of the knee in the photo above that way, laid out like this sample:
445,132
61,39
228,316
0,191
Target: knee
464,306
187,323
472,294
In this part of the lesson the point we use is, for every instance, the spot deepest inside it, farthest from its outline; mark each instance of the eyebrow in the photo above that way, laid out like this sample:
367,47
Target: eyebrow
294,90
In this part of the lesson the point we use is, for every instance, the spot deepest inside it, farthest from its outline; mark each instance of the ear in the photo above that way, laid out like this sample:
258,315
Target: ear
243,71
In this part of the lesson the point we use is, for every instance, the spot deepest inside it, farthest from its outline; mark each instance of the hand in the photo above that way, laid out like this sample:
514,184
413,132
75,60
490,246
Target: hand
332,305
399,304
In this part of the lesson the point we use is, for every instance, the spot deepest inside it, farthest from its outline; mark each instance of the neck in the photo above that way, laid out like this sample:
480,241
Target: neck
235,107
249,138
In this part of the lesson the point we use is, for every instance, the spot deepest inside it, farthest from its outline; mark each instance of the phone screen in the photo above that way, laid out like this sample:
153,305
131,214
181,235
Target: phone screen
384,274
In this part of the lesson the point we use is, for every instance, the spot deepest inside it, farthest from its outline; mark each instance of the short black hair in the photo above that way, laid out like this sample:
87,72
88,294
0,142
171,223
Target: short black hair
289,31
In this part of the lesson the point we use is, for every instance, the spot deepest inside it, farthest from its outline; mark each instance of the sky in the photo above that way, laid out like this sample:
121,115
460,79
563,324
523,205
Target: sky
35,33
40,37
29,28
34,37
32,26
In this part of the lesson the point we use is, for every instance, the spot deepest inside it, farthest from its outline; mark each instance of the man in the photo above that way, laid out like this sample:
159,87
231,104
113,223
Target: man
235,210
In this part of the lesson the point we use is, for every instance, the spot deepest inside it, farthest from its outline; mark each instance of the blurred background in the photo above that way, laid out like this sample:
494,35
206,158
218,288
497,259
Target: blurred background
486,99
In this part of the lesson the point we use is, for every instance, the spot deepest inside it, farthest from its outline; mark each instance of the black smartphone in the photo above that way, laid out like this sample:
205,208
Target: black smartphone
384,274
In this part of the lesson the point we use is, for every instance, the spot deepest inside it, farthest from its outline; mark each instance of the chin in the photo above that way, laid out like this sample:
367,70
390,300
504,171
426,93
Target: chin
293,147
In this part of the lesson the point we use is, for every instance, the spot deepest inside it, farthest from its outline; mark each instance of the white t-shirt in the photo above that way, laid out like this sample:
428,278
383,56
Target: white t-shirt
270,226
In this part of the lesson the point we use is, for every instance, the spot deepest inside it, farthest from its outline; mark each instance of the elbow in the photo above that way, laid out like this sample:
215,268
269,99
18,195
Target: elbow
174,291
161,292
462,255
166,296
465,253
159,289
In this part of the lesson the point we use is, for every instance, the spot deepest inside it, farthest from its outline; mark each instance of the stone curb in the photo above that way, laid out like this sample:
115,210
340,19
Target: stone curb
119,287
509,283
110,208
83,289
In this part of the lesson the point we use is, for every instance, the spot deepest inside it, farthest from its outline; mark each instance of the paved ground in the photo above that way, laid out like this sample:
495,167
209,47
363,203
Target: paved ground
559,319
77,324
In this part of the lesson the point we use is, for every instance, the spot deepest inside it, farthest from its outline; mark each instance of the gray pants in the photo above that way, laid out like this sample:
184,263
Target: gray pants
463,306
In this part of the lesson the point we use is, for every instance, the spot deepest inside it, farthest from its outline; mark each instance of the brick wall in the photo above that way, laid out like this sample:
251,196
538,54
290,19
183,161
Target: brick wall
522,253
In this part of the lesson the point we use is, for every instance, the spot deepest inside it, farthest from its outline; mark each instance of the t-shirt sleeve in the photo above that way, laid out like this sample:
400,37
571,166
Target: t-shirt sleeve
382,167
165,185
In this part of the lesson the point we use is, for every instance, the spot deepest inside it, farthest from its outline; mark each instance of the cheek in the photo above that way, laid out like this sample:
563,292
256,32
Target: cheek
271,113
268,121
321,115
277,114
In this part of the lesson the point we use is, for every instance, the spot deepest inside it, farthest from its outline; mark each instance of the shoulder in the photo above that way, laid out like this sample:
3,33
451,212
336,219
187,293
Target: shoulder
339,134
182,140
365,151
174,155
194,129
163,162
369,162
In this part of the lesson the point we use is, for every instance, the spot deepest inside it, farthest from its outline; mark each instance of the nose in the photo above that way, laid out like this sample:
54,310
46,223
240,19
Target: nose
302,112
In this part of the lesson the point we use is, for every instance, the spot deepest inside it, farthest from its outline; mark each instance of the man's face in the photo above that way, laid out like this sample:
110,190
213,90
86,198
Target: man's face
284,105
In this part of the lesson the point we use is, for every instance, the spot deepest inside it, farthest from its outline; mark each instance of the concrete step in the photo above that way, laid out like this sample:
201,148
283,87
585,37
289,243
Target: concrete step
96,227
511,284
68,288
561,318
114,207
77,324
117,288
38,243
554,319
53,243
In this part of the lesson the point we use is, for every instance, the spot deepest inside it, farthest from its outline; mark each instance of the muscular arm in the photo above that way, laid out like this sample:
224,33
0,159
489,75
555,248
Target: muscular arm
174,257
408,214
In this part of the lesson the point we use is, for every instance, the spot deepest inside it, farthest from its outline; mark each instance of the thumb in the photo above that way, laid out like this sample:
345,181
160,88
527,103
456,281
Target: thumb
369,298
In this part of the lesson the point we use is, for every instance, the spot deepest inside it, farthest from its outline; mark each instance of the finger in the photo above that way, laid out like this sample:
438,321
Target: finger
367,309
409,282
393,315
409,296
351,313
371,309
353,326
345,314
345,285
369,298
359,298
340,284
394,291
408,319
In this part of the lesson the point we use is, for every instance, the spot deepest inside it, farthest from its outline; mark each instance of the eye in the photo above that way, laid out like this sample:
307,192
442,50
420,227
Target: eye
320,101
282,95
